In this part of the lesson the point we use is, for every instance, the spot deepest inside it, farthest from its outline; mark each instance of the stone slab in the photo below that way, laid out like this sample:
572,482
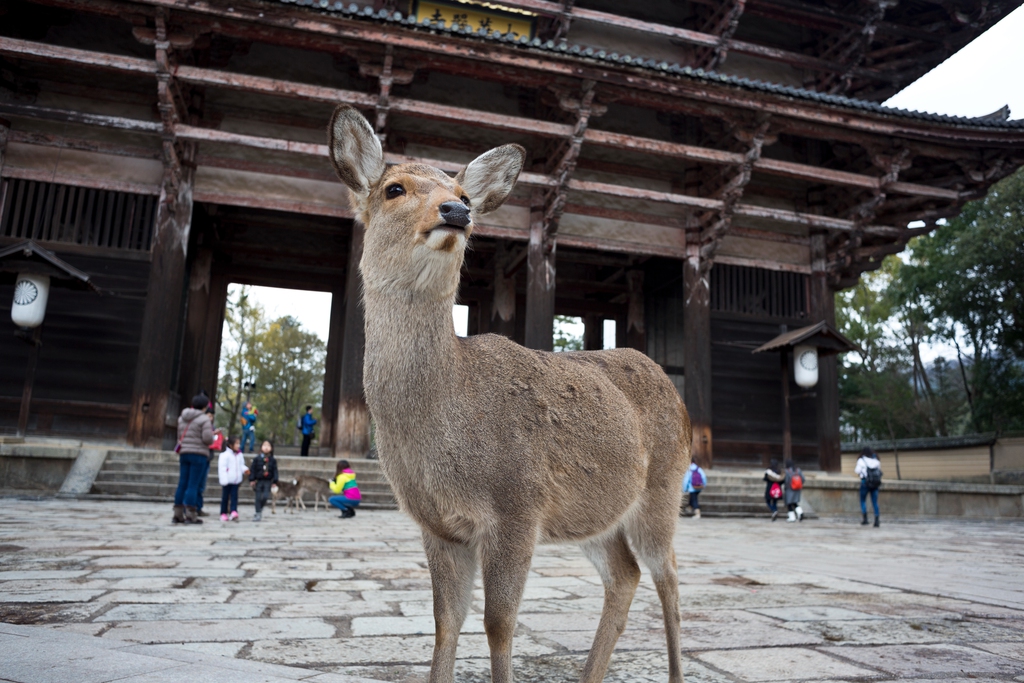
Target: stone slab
782,664
929,660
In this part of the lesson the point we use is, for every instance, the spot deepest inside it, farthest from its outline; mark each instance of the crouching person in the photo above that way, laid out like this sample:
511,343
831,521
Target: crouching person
347,496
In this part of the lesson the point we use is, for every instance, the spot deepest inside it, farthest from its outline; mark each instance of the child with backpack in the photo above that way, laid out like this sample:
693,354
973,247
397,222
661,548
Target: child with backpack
231,470
773,480
262,477
693,483
794,485
869,469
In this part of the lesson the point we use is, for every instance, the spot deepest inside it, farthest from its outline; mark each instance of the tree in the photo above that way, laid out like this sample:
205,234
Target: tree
284,361
968,273
290,374
566,338
244,322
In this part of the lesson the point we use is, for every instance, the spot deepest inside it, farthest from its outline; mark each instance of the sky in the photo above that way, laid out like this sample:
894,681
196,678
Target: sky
979,79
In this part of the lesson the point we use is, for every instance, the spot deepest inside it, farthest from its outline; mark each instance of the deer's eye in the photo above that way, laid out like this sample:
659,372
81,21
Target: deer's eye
464,199
393,191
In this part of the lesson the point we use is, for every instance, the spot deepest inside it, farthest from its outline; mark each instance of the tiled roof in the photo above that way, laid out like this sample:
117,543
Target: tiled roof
397,18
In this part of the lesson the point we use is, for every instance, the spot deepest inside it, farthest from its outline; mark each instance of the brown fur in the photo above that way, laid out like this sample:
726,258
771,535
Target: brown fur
320,488
492,447
283,490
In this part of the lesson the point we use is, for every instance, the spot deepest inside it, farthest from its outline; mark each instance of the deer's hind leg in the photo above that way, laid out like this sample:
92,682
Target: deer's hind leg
652,537
620,574
452,568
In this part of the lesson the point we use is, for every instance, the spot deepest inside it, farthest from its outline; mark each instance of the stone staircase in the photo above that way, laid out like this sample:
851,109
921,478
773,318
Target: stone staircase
739,493
153,476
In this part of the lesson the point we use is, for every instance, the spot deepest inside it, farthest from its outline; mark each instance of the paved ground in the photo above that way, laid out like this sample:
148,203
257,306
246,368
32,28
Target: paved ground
128,597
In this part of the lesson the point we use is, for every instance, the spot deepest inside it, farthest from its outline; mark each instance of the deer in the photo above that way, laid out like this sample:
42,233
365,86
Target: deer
489,446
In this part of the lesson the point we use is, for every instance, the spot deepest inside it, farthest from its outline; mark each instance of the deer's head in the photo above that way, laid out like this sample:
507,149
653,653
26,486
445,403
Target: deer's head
417,219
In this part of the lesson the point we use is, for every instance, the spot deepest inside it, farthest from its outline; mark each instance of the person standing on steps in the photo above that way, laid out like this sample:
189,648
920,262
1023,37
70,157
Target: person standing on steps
262,476
869,469
195,434
693,483
794,486
248,418
774,479
308,423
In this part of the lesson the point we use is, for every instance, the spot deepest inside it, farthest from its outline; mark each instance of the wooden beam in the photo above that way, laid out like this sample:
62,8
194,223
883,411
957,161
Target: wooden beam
276,87
567,164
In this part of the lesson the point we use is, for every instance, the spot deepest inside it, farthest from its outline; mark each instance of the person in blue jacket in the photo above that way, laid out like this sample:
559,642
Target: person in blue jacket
308,423
693,483
248,418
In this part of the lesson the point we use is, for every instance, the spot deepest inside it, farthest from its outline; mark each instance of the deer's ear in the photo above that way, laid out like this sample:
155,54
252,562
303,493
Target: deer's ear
490,178
355,150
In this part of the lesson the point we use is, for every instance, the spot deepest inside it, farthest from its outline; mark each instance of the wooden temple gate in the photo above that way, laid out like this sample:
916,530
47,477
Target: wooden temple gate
171,147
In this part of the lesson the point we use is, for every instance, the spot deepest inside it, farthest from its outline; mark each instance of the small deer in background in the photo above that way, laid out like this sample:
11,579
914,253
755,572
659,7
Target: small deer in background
285,491
320,488
492,447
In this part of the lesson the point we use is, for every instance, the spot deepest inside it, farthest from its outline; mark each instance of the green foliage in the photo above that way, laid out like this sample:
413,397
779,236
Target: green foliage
961,286
565,337
283,360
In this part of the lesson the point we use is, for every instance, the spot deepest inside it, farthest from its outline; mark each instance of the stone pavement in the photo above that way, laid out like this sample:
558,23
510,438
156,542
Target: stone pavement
105,591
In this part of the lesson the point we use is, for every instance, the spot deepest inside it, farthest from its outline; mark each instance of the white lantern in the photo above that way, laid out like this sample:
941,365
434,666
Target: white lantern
805,365
31,292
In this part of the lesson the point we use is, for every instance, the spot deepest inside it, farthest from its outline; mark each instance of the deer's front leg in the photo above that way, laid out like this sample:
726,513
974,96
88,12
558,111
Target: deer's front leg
452,568
505,558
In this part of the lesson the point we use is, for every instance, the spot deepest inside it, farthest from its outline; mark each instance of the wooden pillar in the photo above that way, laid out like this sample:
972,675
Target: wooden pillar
332,365
593,332
540,286
823,307
35,339
636,335
697,356
352,425
503,308
154,406
204,322
5,131
787,429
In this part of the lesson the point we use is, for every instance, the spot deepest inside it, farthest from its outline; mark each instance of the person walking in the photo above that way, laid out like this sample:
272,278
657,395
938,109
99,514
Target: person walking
249,416
774,479
195,434
794,486
231,470
869,469
346,488
262,476
308,423
693,483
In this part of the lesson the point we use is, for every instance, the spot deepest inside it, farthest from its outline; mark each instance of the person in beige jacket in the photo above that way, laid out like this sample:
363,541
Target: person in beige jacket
195,434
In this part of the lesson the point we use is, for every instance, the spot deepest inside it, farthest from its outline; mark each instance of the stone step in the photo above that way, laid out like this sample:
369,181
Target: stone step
128,470
160,491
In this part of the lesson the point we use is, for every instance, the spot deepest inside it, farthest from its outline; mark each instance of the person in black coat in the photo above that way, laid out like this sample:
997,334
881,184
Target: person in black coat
262,476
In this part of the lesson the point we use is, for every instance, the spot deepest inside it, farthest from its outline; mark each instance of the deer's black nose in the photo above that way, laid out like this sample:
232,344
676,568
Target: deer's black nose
455,213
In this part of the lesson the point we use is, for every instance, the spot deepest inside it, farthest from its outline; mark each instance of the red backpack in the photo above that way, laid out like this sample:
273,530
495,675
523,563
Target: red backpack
775,491
796,480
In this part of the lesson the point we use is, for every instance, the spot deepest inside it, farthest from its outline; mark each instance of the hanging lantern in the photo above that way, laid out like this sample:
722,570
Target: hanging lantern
31,293
805,365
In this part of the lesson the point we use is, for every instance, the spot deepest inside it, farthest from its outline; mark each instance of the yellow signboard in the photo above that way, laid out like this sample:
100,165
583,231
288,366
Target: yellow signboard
477,16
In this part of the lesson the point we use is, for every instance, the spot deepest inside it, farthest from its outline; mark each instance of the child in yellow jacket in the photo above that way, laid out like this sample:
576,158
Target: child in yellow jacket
344,485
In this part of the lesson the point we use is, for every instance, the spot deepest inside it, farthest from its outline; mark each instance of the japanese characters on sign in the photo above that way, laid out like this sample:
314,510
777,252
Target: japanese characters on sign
492,18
